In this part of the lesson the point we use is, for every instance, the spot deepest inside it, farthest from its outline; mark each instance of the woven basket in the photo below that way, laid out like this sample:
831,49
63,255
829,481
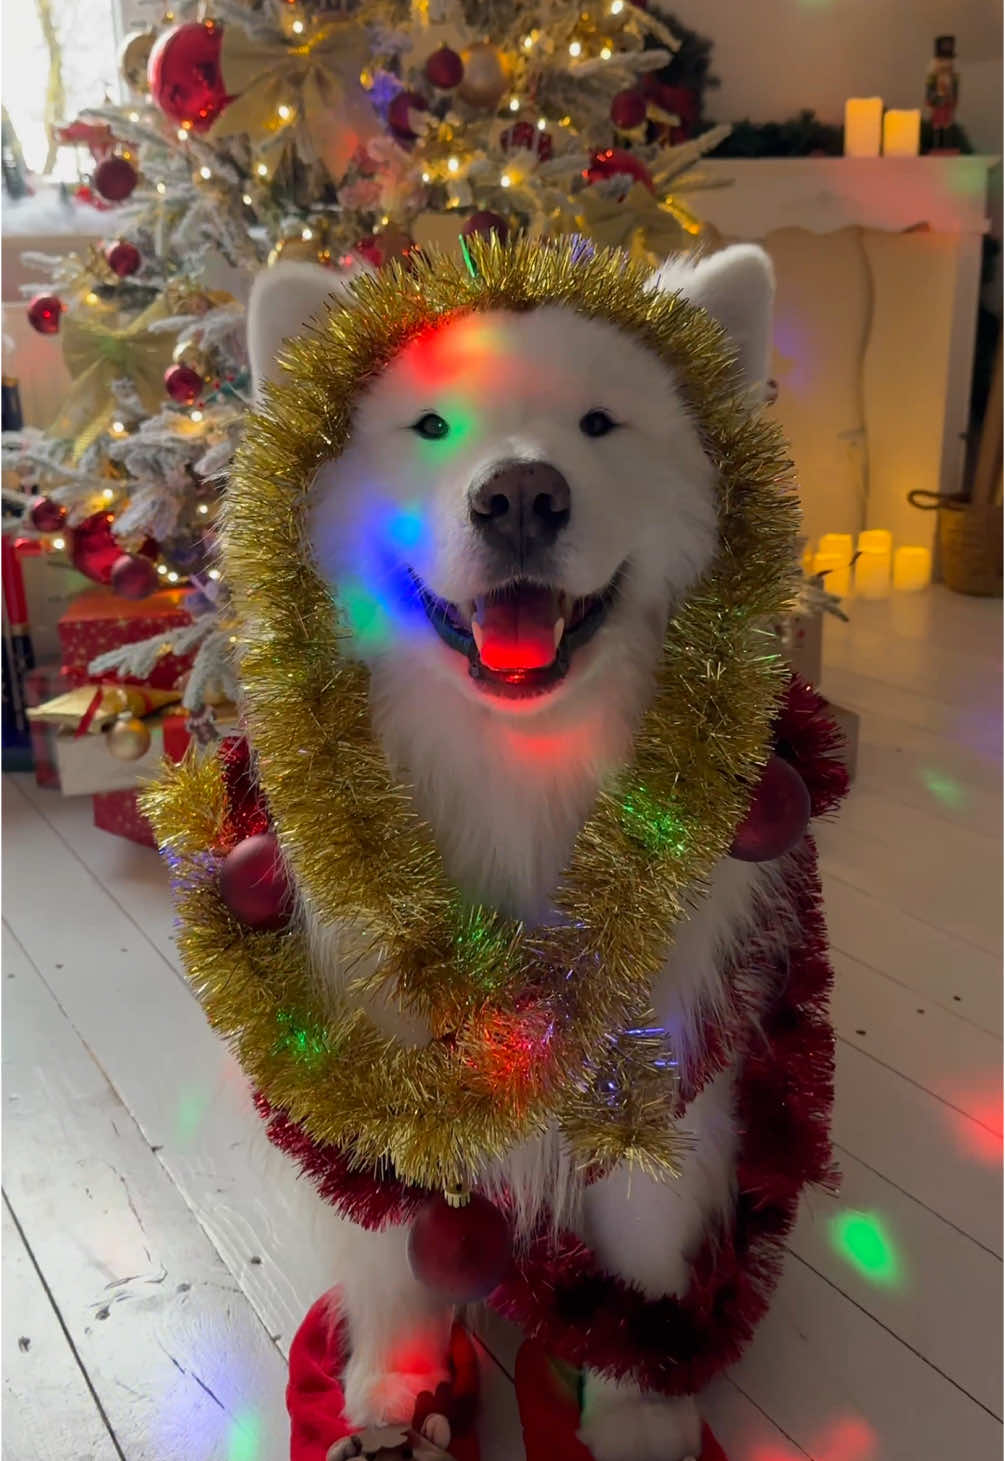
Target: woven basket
970,542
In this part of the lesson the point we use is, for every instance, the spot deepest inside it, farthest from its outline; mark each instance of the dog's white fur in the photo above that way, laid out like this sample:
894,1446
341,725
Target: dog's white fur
506,785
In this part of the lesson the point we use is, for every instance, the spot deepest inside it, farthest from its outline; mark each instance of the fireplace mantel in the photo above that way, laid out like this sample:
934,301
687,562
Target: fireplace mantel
878,264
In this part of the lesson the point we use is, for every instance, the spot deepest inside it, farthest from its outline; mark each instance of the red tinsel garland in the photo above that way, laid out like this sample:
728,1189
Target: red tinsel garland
556,1291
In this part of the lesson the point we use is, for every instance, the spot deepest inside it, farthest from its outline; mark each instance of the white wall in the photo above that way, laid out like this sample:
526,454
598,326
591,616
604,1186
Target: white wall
775,57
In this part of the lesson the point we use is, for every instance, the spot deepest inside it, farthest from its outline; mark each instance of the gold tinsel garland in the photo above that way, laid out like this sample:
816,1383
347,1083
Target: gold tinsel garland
517,1043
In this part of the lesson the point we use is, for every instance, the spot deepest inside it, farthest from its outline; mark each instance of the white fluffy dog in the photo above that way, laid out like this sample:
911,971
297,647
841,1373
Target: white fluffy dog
551,502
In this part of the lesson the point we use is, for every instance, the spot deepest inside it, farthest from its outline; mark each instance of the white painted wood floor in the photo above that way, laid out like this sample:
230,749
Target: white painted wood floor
157,1254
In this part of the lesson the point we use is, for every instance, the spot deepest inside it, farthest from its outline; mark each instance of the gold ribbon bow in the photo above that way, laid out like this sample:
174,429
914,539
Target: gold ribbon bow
98,353
638,222
317,80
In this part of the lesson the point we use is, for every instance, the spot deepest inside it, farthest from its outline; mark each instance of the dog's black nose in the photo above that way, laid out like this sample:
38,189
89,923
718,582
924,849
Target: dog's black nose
521,506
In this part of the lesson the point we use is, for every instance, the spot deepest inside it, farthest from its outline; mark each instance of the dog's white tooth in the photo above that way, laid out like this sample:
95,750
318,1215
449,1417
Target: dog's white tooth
478,632
559,631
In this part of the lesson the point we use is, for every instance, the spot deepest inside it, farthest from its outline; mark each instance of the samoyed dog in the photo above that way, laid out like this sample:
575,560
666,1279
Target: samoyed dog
567,505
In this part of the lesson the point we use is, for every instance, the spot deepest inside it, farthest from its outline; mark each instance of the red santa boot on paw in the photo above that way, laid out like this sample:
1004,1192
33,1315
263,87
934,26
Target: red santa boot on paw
548,1399
442,1424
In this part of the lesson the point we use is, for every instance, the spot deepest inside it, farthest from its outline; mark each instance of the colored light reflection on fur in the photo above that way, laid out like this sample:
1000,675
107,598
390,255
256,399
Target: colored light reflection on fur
655,825
244,1439
859,1237
379,598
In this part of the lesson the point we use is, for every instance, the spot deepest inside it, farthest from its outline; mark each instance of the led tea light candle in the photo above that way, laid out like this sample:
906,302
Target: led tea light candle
902,133
872,573
912,569
863,125
842,543
875,539
837,567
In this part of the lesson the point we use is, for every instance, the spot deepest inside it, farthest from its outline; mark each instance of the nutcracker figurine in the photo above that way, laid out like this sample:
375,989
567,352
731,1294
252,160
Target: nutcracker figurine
942,90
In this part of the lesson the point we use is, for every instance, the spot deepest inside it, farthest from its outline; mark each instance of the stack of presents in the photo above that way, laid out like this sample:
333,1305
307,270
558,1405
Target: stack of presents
56,714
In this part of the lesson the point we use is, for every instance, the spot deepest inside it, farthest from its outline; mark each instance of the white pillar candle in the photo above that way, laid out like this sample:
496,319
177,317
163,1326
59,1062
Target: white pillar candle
837,568
863,125
902,133
912,568
872,573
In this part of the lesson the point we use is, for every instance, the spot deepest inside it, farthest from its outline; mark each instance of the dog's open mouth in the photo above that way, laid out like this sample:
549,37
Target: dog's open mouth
519,639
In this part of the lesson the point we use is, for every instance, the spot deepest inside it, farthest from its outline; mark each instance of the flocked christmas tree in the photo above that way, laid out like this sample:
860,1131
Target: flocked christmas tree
349,134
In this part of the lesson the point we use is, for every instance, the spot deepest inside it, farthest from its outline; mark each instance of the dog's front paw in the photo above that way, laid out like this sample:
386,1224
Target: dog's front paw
376,1398
642,1428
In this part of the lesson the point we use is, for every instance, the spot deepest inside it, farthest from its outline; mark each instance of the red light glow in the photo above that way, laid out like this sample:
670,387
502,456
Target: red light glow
977,1134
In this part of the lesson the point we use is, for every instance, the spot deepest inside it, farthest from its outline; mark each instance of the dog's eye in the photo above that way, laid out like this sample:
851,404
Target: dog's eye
597,423
431,426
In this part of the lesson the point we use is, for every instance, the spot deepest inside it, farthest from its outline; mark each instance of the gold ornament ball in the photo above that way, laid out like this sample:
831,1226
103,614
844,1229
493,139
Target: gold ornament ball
134,53
129,738
486,75
122,698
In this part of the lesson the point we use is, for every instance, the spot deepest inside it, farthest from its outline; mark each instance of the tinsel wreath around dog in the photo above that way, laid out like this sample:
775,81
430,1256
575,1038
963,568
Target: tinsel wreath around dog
530,1028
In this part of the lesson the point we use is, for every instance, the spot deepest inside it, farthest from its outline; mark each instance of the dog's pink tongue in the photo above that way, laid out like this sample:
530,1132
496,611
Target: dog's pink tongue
518,631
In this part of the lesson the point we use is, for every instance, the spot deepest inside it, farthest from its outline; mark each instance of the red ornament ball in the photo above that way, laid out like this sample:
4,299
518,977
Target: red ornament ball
46,515
777,817
444,69
615,161
115,178
628,110
461,1252
44,312
93,549
398,118
254,883
184,74
123,258
133,576
183,384
485,221
529,137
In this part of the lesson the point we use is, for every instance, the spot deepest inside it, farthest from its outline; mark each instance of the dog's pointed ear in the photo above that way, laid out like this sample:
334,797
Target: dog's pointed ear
737,287
285,299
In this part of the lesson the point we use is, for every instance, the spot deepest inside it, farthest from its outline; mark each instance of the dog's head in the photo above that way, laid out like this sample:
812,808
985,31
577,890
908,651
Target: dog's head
523,496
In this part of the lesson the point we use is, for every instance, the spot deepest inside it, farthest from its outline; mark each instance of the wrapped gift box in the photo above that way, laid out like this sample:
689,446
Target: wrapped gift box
18,659
99,620
118,811
43,683
47,584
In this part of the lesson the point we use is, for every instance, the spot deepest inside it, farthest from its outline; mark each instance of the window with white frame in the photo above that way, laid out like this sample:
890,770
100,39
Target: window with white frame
84,59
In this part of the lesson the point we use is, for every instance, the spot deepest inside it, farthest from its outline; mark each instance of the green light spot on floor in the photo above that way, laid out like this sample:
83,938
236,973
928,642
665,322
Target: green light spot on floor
859,1238
944,789
244,1438
192,1104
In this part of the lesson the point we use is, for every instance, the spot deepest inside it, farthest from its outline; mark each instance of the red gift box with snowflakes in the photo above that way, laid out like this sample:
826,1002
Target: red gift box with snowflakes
100,620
